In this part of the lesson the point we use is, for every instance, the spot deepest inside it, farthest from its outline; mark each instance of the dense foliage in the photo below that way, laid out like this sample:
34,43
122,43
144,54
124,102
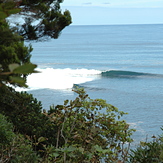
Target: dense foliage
23,110
90,129
40,18
12,50
14,55
77,130
13,146
151,152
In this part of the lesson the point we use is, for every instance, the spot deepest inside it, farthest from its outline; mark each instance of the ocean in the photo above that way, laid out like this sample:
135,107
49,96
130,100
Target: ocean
122,64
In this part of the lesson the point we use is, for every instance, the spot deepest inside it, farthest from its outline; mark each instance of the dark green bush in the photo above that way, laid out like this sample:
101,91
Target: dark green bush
148,152
13,147
25,112
6,131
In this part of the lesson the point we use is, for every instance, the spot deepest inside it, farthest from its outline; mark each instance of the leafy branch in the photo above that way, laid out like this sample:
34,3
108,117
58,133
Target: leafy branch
16,74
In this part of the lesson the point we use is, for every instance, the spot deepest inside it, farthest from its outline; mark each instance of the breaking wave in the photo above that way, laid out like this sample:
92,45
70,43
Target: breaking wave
62,79
127,74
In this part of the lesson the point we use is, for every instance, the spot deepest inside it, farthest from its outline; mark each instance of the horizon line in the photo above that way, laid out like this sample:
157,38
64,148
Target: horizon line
115,24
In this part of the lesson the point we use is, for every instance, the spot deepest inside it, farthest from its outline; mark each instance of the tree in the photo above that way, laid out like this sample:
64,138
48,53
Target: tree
51,20
13,50
15,62
22,109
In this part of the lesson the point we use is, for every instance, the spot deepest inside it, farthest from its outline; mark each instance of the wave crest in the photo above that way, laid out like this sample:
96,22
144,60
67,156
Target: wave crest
60,78
124,74
63,79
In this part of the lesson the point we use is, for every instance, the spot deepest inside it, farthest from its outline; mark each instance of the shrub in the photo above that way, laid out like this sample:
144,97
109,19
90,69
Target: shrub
90,131
6,131
24,111
13,147
148,152
82,130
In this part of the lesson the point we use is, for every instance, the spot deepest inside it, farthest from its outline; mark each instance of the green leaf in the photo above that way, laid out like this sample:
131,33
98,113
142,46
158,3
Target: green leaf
13,66
41,139
25,69
98,148
14,11
2,15
18,80
81,149
66,102
54,155
71,149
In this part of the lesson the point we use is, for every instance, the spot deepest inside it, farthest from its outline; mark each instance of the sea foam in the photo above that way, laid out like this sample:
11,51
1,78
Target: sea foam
60,78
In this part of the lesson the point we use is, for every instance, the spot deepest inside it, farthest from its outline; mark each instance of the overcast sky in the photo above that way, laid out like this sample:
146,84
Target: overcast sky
103,12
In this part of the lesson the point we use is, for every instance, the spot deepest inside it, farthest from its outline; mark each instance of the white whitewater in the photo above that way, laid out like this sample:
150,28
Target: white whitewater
60,78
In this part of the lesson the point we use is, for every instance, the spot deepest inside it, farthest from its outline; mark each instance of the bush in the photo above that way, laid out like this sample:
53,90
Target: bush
13,147
82,130
90,131
24,111
6,131
148,152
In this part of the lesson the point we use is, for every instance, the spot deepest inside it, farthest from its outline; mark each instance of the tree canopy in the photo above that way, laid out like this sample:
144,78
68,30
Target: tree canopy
39,18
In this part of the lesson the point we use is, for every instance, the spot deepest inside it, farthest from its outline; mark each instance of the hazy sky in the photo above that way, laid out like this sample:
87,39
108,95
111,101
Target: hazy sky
91,12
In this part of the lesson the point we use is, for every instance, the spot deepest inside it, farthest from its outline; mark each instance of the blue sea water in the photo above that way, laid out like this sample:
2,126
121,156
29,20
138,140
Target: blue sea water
122,64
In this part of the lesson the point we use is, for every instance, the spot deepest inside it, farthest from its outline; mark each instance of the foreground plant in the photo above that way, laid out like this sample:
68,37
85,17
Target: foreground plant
148,152
14,147
88,130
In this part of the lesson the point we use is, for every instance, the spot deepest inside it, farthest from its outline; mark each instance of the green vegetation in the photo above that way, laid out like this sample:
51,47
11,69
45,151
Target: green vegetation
15,62
90,130
151,152
81,130
51,19
72,132
13,146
